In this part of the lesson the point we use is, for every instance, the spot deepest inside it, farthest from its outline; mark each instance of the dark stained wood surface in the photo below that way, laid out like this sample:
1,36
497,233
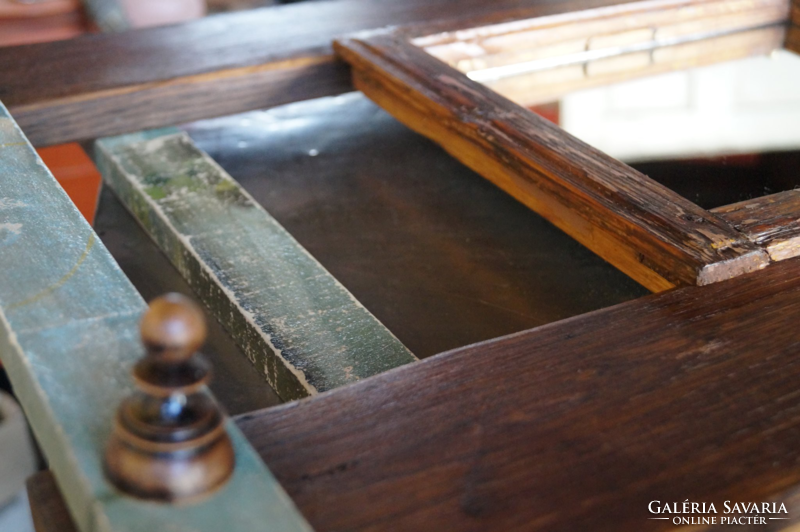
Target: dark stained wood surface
771,221
689,394
48,509
646,230
101,85
793,35
439,255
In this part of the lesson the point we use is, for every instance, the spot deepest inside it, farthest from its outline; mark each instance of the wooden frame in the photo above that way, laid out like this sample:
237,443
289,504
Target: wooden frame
649,232
457,427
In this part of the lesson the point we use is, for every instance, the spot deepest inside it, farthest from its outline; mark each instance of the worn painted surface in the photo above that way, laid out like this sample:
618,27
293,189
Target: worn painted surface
68,336
299,325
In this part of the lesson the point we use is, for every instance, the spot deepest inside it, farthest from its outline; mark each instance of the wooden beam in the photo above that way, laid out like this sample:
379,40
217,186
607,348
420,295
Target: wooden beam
649,232
48,509
301,328
576,425
101,85
772,222
68,336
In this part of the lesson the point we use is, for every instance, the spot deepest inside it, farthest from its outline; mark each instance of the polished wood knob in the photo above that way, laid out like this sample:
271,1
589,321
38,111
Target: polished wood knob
169,441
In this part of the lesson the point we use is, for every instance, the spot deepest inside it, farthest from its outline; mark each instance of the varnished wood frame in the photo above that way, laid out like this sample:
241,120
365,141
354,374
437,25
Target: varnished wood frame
649,232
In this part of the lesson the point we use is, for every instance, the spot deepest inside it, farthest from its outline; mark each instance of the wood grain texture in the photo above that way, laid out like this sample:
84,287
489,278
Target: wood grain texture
300,327
649,232
50,515
576,425
772,222
439,255
182,100
68,336
237,384
101,85
48,509
793,34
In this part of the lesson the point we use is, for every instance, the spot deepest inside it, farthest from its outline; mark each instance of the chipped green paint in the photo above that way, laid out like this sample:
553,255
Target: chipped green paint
68,337
302,328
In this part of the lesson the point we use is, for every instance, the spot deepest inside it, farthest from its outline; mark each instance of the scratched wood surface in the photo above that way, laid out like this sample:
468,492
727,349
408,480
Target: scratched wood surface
236,384
646,230
68,336
576,425
772,222
100,85
300,326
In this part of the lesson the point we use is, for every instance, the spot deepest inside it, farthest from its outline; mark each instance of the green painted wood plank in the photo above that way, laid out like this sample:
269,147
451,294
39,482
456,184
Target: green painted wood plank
300,326
68,337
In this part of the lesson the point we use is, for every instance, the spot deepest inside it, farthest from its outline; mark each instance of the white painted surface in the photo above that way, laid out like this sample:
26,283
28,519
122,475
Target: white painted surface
744,106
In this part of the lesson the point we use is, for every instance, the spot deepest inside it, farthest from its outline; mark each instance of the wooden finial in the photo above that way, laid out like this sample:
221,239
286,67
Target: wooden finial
169,441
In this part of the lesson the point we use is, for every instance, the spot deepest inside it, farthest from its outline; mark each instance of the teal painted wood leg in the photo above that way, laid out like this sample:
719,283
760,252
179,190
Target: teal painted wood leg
68,337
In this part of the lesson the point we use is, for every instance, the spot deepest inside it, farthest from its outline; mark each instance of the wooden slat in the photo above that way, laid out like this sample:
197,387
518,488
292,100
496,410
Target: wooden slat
649,232
236,384
304,331
772,222
440,256
578,425
102,85
48,509
68,336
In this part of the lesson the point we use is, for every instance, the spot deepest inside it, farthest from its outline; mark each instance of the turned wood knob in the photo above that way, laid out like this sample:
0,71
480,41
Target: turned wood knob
169,441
